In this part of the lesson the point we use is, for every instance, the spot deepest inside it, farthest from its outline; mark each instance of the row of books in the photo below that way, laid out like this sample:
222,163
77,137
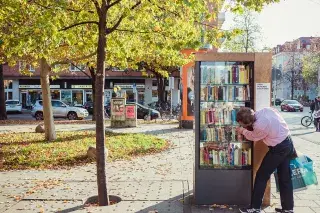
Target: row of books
213,116
225,93
236,74
221,135
232,155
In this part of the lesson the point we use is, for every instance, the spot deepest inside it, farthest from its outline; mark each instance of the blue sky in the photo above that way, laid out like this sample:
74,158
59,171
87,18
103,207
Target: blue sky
286,21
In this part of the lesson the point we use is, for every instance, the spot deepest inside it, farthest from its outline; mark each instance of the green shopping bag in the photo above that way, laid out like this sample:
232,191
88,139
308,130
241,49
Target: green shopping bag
306,169
302,172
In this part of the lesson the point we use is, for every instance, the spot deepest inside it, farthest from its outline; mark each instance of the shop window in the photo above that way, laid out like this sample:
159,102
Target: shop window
154,93
77,97
66,96
55,95
77,67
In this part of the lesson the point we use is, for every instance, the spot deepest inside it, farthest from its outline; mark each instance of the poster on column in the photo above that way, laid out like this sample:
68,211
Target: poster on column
263,94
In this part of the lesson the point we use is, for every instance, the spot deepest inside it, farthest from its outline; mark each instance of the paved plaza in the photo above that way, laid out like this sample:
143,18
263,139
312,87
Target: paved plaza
161,182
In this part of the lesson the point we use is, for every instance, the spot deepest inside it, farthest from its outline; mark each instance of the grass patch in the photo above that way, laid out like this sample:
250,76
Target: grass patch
31,151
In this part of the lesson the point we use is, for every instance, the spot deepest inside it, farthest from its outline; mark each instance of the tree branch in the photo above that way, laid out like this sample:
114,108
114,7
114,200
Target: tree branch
116,25
68,61
81,70
109,5
96,4
78,24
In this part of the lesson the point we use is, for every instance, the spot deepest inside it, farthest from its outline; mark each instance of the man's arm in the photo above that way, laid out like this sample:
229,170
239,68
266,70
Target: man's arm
260,131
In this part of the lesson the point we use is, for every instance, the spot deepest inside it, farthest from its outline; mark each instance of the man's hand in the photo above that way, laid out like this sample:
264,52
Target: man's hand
239,129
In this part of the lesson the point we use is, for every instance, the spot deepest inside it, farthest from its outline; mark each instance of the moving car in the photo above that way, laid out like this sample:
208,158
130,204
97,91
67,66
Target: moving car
143,112
60,110
13,106
291,106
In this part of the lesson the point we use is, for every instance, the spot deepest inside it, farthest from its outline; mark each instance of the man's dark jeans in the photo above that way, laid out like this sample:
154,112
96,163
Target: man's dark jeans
277,157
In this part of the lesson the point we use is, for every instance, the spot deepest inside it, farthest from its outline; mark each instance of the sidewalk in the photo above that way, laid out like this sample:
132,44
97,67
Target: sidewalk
159,182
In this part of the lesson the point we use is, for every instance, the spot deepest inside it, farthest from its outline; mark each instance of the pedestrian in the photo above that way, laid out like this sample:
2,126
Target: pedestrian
317,114
312,106
268,125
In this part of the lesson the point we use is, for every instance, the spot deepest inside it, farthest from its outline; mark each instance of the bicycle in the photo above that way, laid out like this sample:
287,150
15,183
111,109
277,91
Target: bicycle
306,121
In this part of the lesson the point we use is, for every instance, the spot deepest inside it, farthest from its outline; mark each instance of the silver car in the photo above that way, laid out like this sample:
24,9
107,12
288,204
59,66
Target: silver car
60,110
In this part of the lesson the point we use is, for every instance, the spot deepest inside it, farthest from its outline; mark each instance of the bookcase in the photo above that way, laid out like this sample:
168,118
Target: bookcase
224,160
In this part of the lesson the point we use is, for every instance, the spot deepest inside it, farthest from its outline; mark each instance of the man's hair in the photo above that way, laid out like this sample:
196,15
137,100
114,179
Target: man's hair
245,115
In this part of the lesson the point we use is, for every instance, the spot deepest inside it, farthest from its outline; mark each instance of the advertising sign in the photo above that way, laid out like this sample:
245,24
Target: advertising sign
131,111
118,109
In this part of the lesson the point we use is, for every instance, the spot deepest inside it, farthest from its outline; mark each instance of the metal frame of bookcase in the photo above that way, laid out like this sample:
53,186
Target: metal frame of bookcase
220,186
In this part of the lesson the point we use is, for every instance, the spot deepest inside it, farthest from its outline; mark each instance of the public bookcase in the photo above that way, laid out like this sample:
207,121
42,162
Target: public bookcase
225,162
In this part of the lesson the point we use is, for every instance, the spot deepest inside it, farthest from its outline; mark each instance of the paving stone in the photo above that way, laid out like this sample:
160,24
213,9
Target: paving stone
316,210
306,203
46,206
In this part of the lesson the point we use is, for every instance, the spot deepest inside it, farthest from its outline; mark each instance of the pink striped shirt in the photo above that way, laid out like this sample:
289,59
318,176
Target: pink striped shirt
269,127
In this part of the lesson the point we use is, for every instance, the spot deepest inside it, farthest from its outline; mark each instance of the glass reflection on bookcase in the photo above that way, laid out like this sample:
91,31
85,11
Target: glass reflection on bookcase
224,89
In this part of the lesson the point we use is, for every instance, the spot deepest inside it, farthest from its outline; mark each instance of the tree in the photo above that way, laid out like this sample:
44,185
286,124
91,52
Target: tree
249,32
112,30
31,35
292,72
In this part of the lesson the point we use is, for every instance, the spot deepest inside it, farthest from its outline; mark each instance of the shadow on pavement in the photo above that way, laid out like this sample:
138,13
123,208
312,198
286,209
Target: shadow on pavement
71,209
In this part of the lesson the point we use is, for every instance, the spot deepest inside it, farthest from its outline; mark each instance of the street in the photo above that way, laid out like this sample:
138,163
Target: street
26,115
294,121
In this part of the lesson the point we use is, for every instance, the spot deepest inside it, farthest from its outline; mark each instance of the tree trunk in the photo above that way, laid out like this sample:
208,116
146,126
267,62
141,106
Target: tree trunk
93,83
103,197
3,112
161,89
50,132
292,84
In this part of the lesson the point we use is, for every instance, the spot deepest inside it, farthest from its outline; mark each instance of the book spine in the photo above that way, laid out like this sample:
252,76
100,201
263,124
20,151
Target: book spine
249,157
236,156
201,156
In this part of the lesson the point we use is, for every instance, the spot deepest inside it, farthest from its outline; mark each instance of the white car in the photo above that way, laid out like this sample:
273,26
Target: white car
13,106
60,110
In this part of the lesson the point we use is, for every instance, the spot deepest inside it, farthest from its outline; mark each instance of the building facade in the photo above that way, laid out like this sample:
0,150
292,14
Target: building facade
287,69
74,87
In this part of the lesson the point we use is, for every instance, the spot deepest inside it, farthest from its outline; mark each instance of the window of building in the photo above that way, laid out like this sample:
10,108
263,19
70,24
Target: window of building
77,97
23,65
66,96
75,68
154,93
154,83
8,95
8,85
55,95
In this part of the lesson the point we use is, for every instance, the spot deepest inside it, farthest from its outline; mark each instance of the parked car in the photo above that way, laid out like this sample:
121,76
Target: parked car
60,110
291,106
13,106
143,112
89,107
278,101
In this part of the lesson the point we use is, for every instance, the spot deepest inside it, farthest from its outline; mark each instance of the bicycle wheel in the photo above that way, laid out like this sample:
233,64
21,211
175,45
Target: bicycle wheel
306,121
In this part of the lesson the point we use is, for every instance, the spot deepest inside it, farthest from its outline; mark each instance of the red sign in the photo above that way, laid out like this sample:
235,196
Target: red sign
131,112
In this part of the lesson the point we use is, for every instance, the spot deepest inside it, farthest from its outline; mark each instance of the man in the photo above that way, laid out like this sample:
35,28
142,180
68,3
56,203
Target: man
269,126
312,106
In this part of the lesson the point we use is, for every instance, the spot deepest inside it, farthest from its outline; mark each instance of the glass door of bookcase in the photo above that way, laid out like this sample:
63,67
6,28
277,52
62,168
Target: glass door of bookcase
225,87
